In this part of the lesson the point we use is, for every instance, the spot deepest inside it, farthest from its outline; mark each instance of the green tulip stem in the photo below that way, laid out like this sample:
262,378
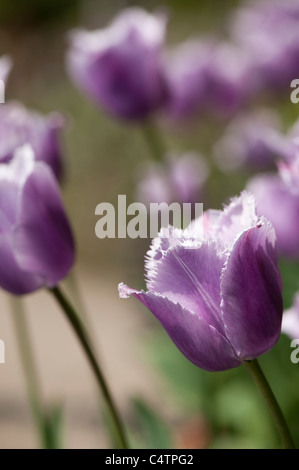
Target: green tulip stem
84,339
265,389
154,141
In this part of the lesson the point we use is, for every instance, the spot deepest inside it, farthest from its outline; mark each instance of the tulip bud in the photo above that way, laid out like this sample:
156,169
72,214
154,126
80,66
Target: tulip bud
119,67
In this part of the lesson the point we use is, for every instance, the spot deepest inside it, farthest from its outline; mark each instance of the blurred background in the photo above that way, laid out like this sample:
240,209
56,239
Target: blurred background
166,401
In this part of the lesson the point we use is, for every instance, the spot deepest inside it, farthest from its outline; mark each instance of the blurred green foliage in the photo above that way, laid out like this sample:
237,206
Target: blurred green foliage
151,431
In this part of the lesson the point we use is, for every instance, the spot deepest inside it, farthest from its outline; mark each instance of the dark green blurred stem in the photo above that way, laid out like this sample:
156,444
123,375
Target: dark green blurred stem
278,417
154,140
29,367
88,348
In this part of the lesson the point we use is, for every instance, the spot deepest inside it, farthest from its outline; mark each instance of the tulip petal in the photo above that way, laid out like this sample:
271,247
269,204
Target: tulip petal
281,207
251,293
5,67
191,276
290,320
43,241
201,343
20,126
12,278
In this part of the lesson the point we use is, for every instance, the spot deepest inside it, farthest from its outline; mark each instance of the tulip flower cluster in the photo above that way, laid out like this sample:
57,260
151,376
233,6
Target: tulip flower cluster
127,69
215,286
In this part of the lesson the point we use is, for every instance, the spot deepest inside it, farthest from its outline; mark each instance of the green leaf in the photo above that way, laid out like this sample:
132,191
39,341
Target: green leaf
153,432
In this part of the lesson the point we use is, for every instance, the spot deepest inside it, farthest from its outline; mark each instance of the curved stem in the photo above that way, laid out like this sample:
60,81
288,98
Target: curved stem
154,141
87,346
278,417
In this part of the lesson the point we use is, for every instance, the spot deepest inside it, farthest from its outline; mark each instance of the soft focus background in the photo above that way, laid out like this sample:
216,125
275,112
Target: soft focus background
165,400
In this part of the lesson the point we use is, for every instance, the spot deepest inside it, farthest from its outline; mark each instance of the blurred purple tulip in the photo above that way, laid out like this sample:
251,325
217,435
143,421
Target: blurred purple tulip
185,68
218,294
119,67
251,140
277,197
269,31
208,77
290,320
20,126
36,243
179,179
231,80
5,67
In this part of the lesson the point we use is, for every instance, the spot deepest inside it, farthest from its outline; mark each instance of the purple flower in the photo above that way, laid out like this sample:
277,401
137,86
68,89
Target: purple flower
290,320
252,140
277,197
268,31
5,67
179,179
120,67
216,291
208,77
231,80
186,71
20,126
36,243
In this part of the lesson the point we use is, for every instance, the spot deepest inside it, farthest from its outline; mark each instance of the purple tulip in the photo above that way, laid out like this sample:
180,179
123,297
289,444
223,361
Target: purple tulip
290,320
252,140
179,179
186,71
277,197
5,67
20,126
36,244
269,31
120,67
208,77
217,292
231,80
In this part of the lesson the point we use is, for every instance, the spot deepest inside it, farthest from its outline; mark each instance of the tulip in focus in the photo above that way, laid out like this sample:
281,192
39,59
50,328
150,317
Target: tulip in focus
277,197
217,292
178,179
36,243
20,126
119,67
